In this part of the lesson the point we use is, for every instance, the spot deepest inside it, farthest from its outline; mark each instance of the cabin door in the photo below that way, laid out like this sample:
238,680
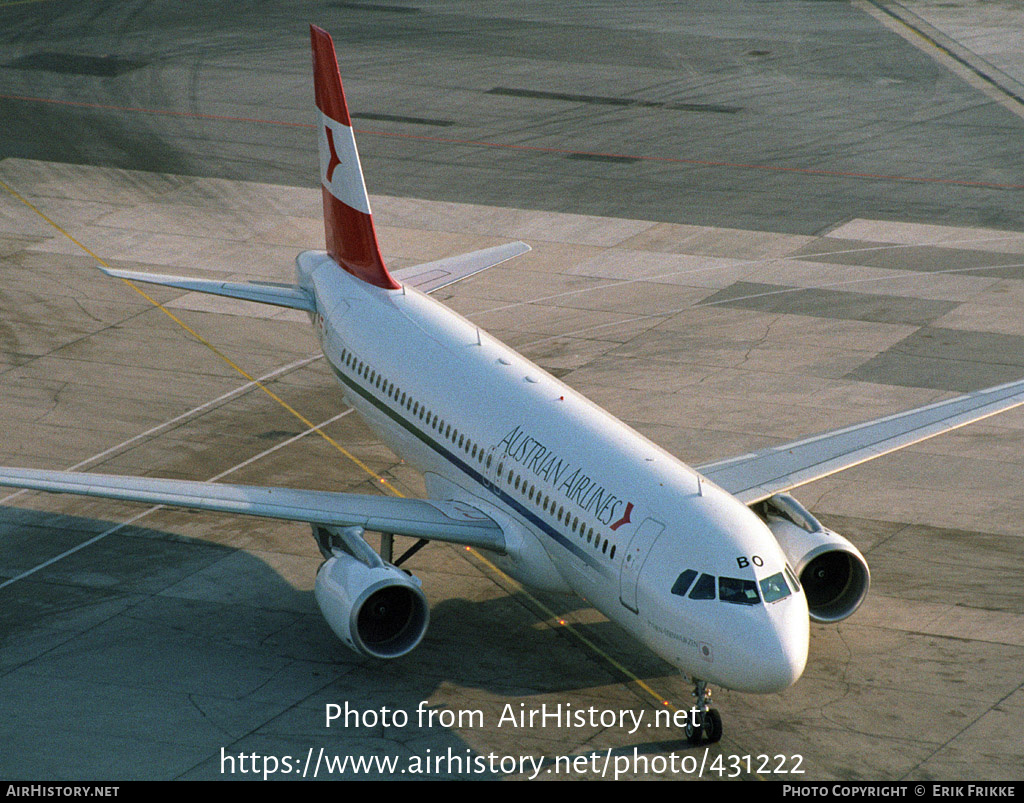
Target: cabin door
636,555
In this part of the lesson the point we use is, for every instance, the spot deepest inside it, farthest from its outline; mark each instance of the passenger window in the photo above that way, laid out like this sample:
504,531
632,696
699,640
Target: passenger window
683,583
704,588
739,592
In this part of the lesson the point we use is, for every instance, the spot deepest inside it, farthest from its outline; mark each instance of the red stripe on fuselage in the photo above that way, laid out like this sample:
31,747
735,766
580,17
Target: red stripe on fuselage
352,242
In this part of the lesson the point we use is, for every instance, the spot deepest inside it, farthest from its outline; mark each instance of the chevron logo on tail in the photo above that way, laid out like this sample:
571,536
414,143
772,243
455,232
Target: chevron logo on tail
348,222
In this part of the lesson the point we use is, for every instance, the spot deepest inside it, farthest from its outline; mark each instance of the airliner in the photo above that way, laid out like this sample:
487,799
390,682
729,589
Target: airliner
716,569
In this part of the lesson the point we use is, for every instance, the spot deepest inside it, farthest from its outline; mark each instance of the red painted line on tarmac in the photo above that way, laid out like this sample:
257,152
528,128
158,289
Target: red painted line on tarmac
532,148
164,112
705,163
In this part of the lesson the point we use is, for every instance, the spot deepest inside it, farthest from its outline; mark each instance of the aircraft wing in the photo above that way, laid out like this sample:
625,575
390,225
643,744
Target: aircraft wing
758,475
421,518
431,276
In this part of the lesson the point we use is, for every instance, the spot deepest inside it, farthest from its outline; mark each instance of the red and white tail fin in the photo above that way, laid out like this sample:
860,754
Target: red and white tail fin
351,239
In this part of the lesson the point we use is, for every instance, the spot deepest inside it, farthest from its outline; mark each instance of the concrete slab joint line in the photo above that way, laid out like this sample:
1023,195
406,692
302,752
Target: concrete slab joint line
128,522
933,41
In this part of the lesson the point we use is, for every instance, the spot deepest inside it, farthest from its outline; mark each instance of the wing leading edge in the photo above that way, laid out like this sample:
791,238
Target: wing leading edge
759,475
454,522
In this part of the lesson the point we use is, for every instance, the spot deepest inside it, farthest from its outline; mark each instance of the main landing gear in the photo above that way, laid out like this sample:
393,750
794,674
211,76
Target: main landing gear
708,723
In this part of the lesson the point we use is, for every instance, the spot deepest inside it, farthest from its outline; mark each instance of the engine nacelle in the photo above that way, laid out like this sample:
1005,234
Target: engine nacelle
377,611
833,573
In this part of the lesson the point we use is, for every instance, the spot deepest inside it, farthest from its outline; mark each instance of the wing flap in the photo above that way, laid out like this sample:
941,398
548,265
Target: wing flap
758,475
434,520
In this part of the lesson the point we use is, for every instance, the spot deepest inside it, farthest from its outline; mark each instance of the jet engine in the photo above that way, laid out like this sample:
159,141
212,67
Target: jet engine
833,573
376,610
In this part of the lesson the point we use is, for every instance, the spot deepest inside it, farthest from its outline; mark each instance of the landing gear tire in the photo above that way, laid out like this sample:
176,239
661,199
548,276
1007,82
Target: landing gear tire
693,732
708,728
713,725
706,722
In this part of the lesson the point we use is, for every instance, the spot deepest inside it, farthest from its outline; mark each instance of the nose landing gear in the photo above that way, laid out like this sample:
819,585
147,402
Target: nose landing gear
708,724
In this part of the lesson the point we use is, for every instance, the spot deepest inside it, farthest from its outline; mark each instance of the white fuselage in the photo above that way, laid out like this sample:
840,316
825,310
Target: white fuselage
587,504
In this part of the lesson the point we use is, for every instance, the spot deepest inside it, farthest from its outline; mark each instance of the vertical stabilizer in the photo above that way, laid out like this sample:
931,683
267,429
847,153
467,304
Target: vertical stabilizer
351,239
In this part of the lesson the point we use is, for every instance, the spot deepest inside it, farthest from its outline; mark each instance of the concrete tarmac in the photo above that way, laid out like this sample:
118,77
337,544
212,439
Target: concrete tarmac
748,307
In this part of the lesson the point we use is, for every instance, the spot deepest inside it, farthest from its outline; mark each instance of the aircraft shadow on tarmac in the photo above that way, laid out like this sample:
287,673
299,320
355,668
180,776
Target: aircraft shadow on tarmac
154,638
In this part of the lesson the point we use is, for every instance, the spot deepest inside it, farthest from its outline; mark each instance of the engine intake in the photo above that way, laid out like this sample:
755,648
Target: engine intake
378,611
832,571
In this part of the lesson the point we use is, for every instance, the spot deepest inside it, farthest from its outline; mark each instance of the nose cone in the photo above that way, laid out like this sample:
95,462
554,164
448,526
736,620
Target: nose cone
772,656
789,637
780,661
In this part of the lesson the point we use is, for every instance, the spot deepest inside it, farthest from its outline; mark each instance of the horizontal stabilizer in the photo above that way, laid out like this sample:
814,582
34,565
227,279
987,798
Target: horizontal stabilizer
431,276
280,295
420,518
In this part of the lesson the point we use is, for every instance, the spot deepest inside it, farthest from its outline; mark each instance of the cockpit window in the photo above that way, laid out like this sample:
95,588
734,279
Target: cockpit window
704,588
682,583
740,592
774,588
